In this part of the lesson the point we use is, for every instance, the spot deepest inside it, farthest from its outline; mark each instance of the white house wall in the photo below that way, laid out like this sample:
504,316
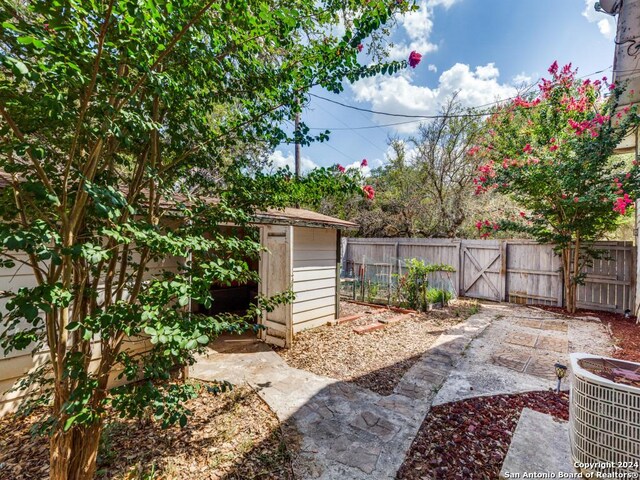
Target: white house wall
15,364
314,277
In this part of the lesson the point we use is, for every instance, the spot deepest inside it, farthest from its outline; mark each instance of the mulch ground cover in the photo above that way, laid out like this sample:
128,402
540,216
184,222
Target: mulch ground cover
625,331
375,360
229,436
470,439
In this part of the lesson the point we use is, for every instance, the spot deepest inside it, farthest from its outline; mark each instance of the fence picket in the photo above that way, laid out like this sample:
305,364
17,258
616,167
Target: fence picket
519,271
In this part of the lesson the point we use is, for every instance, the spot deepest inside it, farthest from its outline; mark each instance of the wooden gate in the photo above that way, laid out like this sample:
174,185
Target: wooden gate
518,271
482,270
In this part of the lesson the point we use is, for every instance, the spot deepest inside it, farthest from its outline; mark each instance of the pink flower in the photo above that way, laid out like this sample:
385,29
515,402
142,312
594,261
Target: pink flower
341,169
360,47
576,199
553,148
522,214
369,192
414,59
553,69
621,204
527,148
364,163
473,150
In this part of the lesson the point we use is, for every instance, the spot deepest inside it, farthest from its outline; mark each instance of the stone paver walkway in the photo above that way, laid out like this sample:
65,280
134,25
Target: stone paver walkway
517,353
343,431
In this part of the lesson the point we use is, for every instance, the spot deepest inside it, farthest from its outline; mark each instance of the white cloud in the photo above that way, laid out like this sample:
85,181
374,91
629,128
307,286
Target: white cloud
606,23
416,26
397,94
280,160
366,171
432,68
444,3
521,79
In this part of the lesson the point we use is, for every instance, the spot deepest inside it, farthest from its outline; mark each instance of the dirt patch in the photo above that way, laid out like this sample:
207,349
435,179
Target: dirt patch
470,438
348,308
229,436
376,360
625,331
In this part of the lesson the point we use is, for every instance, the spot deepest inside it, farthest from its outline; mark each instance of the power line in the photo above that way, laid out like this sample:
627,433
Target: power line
347,125
462,115
367,127
432,117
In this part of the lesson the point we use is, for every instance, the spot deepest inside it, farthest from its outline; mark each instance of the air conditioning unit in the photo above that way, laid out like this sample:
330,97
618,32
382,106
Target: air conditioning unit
604,415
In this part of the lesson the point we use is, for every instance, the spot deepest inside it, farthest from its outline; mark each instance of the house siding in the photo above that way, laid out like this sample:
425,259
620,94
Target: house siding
16,364
314,277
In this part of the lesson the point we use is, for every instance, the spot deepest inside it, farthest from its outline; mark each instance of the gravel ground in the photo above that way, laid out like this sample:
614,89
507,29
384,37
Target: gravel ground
230,436
470,439
625,331
376,360
347,309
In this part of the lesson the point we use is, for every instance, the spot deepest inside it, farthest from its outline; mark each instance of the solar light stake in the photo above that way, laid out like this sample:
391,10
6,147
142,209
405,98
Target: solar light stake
561,371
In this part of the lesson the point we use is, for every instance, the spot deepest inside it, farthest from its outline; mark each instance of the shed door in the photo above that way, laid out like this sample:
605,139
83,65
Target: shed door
275,275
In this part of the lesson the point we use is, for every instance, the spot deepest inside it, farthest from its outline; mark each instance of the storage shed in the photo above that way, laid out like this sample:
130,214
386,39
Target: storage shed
302,254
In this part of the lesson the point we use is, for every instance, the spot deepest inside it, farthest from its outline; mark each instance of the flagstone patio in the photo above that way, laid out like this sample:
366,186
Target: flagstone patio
344,431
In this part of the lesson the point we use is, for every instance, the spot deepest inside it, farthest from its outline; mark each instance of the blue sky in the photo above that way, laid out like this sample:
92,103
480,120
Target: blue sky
481,48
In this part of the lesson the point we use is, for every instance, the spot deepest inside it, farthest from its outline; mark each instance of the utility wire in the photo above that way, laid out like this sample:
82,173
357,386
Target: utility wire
461,115
367,127
348,128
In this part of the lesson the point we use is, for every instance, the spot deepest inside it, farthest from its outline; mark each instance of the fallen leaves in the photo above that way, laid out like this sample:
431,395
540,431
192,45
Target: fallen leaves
229,436
470,438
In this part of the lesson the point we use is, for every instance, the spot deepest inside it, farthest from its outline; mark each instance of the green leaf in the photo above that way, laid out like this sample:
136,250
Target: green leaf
72,326
203,339
183,301
19,68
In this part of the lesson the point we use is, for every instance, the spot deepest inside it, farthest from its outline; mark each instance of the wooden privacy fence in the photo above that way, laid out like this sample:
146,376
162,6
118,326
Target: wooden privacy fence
517,271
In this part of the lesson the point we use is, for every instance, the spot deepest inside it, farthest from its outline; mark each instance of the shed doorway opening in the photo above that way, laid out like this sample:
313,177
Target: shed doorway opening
236,297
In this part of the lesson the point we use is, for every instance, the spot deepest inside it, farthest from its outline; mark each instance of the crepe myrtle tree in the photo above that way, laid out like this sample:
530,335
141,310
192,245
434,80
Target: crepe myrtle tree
552,153
127,129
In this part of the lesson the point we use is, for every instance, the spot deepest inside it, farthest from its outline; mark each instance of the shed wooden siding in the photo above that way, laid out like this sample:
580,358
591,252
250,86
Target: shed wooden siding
314,277
15,364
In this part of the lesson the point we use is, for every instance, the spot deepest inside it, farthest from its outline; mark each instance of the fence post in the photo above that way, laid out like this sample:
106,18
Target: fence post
504,248
363,277
633,293
458,269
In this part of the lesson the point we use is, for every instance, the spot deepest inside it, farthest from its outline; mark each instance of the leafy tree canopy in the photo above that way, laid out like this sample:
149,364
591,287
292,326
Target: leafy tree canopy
552,154
130,131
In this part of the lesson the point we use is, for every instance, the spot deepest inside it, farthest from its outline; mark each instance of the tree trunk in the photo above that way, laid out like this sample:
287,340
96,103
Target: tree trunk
570,272
73,453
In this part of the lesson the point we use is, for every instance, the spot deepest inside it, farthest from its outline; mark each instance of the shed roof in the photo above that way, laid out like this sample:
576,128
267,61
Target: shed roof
301,217
286,216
